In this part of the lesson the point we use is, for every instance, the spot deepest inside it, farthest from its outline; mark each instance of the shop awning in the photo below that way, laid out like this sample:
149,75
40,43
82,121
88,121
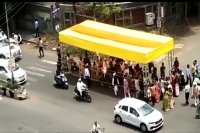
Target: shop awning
115,41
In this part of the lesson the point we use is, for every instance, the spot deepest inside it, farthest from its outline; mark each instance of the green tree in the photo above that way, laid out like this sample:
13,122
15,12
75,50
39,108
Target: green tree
102,10
98,10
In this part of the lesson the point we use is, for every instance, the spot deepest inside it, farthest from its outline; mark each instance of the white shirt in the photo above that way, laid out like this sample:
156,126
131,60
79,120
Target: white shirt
36,24
16,37
86,72
187,88
196,80
96,127
188,74
41,43
80,85
147,93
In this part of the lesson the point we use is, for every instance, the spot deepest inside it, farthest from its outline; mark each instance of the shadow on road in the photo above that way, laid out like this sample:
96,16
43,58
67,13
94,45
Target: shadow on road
135,128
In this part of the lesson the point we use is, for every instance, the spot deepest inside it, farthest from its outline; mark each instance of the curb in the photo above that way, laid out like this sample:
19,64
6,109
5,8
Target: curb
27,41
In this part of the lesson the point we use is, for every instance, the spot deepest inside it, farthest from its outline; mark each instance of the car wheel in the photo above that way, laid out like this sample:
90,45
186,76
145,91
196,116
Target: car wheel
143,128
118,119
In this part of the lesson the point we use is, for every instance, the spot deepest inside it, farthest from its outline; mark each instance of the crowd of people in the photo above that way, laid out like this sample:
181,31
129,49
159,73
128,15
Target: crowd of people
136,80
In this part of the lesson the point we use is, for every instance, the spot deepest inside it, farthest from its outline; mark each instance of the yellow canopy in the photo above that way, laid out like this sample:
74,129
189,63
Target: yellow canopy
115,41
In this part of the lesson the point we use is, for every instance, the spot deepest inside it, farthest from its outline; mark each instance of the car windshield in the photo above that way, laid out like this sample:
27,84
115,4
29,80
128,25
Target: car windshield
4,42
145,109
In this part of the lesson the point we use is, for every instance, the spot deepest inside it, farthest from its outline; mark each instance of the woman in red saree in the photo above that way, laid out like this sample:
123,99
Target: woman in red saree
157,96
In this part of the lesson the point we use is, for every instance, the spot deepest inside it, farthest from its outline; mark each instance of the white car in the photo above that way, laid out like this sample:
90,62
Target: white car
138,113
5,49
6,75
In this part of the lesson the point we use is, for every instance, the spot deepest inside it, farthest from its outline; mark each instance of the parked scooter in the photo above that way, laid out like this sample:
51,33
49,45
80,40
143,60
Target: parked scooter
61,81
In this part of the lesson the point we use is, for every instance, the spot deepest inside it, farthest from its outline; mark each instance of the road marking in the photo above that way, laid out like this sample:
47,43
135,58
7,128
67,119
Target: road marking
31,79
38,69
42,66
178,46
50,62
34,73
27,84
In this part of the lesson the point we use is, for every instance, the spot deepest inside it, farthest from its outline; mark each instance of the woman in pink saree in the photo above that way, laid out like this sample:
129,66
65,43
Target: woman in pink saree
126,87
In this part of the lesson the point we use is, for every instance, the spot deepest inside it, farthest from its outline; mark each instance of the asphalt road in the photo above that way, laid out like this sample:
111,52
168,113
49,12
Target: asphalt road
55,110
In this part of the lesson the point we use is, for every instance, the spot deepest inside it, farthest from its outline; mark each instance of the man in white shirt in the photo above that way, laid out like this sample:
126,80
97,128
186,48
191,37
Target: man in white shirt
95,127
188,76
115,83
15,36
41,45
87,75
80,86
36,28
187,93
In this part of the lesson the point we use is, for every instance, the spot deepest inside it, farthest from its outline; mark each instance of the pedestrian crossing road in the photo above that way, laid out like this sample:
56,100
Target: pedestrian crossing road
39,70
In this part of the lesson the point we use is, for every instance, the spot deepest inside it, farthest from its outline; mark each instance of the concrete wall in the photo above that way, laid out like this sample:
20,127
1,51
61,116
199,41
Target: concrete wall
25,19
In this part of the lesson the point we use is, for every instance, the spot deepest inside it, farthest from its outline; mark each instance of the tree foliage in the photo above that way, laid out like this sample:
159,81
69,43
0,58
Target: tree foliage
99,9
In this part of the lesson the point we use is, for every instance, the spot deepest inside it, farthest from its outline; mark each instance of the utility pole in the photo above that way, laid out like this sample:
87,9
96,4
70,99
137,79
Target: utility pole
94,10
159,22
8,35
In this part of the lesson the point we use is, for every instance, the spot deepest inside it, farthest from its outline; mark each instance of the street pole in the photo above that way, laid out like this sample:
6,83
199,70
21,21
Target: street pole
8,35
159,18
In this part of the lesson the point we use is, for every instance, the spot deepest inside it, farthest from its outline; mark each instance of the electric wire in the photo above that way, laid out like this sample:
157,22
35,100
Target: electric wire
14,14
11,8
10,11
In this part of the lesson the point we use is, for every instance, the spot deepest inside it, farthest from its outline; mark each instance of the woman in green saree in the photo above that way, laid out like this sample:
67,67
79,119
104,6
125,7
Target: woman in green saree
196,74
166,100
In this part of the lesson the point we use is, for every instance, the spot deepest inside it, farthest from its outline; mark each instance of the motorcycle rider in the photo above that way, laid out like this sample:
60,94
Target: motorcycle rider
80,86
62,77
96,127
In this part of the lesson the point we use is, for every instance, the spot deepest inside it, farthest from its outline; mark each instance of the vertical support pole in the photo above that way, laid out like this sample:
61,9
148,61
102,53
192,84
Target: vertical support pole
159,18
8,35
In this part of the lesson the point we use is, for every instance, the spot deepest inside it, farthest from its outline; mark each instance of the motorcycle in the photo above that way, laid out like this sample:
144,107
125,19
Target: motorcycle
59,82
19,40
85,95
98,131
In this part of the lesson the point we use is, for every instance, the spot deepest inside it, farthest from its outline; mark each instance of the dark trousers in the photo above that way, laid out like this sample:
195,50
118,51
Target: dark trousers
189,81
37,32
187,94
88,81
41,51
59,56
193,77
153,99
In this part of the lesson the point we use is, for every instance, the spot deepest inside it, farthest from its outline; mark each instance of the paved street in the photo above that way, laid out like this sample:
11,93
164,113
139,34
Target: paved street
55,110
